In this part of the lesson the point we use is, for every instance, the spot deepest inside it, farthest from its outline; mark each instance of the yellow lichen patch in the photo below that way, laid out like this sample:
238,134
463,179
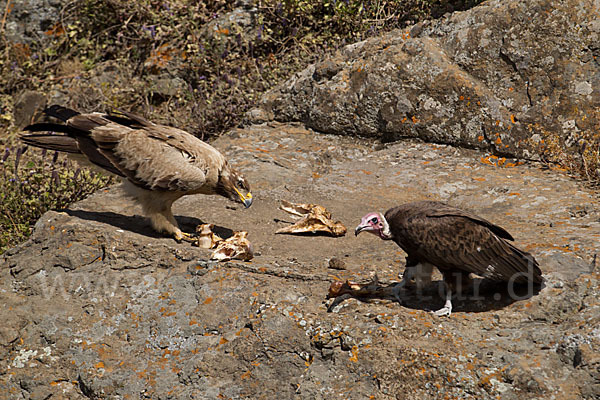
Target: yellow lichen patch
354,354
99,365
246,375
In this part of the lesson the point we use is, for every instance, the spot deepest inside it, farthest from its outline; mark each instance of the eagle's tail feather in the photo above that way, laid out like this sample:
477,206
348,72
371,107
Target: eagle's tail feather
52,142
60,112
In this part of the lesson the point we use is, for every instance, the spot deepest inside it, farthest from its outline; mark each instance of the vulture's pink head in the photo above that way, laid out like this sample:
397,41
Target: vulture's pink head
374,223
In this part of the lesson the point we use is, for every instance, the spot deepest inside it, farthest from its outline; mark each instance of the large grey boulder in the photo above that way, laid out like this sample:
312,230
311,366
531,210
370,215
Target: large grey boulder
31,20
95,305
501,76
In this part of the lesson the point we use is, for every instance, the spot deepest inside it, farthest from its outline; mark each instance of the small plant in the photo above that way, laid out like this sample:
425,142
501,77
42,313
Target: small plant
579,154
34,183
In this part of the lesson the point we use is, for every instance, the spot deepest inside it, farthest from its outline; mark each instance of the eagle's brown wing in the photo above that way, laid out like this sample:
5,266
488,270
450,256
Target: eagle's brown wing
155,157
452,239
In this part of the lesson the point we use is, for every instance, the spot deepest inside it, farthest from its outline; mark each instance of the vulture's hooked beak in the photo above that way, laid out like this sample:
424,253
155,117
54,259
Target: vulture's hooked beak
359,229
246,200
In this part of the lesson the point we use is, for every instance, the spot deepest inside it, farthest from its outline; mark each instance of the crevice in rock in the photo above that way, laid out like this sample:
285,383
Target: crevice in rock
265,270
487,139
528,95
505,57
85,389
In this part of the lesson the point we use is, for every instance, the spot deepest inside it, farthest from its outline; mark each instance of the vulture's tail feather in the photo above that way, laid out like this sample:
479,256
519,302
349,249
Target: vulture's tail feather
525,263
60,112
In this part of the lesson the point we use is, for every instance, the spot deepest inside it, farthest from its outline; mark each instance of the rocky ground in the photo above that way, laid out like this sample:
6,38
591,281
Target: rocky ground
95,305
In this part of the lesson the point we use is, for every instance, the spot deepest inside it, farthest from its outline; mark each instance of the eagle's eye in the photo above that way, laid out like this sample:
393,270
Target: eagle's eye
240,182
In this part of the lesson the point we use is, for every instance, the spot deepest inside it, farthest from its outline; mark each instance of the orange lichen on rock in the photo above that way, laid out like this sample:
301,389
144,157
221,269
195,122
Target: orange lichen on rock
315,218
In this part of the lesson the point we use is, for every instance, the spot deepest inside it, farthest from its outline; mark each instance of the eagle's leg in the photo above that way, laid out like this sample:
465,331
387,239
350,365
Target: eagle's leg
162,220
185,237
156,206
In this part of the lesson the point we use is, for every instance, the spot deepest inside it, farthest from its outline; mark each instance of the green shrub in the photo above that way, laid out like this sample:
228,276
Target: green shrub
34,183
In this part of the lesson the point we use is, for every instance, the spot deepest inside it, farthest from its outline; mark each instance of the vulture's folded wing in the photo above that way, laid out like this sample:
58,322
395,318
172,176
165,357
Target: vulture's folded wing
459,242
444,210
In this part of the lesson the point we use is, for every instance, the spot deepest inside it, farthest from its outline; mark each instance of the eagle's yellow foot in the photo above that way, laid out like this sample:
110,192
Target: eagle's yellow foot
184,237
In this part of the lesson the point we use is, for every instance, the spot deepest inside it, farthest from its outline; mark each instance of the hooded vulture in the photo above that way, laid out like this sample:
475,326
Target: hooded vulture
456,242
158,164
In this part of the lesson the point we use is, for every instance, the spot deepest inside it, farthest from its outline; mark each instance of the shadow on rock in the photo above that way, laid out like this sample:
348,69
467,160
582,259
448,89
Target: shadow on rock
138,224
484,295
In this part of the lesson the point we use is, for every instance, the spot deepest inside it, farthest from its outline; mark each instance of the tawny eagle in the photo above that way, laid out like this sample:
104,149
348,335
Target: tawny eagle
158,164
457,242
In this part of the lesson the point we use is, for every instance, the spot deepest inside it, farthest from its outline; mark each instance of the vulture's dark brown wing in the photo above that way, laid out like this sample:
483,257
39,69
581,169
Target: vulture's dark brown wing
444,210
453,239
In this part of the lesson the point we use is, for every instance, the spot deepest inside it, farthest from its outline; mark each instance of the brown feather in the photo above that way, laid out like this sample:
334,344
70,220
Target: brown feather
452,239
161,163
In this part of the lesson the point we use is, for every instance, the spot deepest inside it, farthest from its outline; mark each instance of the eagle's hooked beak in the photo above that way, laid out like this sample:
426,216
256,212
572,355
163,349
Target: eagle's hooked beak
246,200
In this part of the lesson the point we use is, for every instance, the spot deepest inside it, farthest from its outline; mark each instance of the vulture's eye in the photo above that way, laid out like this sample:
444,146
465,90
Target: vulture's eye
374,220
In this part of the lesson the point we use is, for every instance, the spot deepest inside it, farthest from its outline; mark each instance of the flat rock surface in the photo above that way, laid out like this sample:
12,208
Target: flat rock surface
95,305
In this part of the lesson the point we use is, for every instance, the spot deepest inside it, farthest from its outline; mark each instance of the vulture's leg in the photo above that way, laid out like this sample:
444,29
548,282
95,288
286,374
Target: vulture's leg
454,282
447,309
407,277
420,273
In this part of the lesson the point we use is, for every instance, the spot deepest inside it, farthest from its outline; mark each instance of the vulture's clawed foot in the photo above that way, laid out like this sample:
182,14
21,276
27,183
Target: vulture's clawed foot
444,311
184,237
396,291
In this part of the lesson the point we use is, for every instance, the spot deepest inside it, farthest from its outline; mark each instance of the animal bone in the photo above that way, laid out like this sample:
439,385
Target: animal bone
315,218
206,239
236,247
